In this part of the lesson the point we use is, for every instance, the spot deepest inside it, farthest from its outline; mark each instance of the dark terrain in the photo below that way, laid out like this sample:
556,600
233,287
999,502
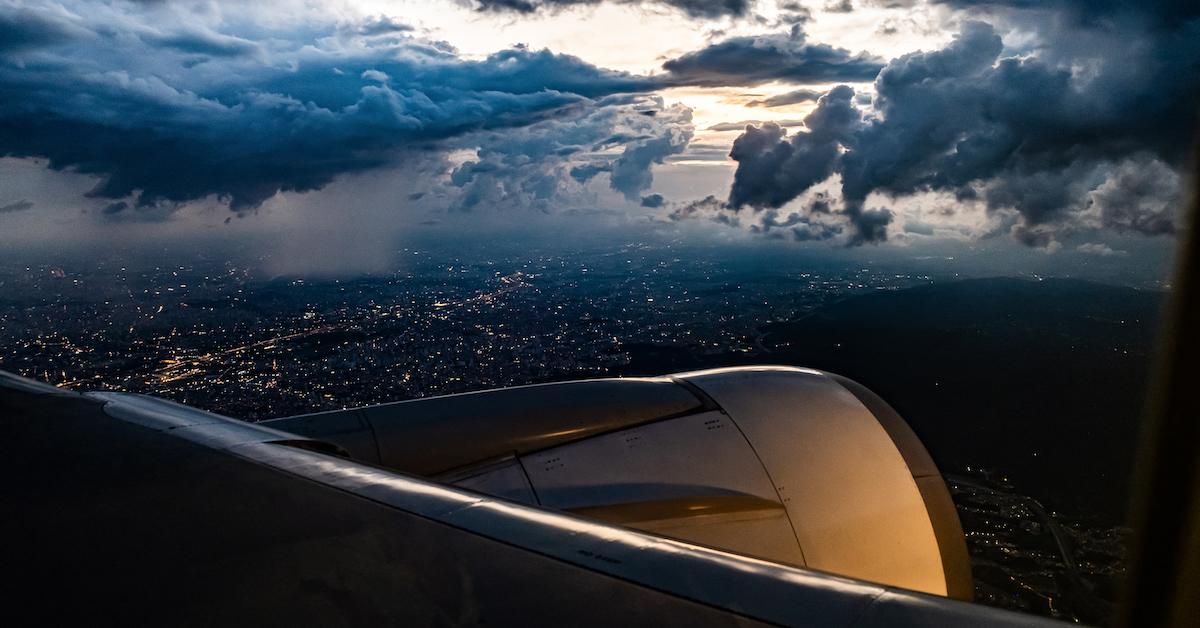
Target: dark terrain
1042,379
1027,394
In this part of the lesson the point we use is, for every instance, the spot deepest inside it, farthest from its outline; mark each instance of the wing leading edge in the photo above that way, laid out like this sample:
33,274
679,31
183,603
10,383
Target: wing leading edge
133,509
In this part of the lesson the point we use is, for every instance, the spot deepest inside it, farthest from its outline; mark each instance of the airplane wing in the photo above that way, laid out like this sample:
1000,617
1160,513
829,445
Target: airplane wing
715,498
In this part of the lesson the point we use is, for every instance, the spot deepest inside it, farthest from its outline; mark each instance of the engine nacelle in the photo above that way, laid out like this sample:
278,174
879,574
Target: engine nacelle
788,465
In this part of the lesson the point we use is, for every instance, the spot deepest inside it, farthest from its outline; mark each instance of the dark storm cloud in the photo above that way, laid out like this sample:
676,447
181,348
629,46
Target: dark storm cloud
382,25
586,172
1029,133
1161,12
709,208
165,110
758,59
653,200
118,98
773,169
204,43
18,206
693,8
791,13
24,28
789,98
1029,130
820,204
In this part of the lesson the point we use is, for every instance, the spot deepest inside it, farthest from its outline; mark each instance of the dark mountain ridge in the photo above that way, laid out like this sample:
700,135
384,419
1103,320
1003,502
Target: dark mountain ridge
1042,380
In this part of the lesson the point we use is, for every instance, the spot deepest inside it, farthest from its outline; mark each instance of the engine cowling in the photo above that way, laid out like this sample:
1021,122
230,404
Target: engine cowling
789,465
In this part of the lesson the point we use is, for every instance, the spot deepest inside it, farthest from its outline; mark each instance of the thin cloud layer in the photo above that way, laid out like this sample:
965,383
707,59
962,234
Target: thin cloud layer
16,206
759,59
693,8
790,98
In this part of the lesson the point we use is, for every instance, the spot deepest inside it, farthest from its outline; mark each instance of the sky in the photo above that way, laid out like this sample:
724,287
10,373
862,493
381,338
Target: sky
333,130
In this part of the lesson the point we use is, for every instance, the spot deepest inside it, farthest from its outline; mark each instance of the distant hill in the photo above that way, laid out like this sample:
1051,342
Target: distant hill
1041,380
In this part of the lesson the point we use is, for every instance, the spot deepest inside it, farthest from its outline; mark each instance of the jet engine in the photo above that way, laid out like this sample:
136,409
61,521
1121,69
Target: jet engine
784,464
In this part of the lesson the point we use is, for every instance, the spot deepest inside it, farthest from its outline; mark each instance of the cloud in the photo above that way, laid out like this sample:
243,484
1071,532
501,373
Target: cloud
1077,124
810,232
114,208
741,126
653,200
382,25
1091,12
1028,133
800,226
24,28
1042,237
18,206
1141,195
693,8
709,207
1097,248
919,227
774,169
585,172
164,112
790,98
203,42
533,166
754,60
630,173
1032,133
813,224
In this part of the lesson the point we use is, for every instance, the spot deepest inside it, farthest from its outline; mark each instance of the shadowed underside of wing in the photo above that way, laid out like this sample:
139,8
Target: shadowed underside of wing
124,508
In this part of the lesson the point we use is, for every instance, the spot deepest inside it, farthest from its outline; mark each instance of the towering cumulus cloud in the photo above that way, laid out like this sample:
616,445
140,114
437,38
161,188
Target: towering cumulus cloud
166,107
774,169
1068,136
